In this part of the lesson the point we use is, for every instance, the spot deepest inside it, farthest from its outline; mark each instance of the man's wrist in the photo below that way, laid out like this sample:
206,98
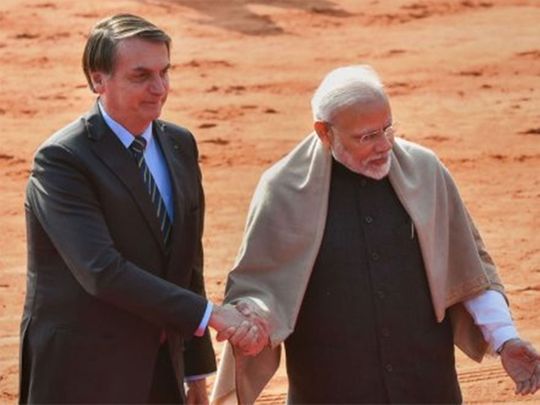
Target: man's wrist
215,320
501,347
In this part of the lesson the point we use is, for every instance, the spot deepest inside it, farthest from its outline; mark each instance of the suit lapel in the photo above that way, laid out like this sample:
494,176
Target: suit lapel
111,151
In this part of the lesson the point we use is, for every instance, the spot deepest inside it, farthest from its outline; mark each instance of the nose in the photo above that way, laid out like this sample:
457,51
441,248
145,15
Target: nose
159,85
384,143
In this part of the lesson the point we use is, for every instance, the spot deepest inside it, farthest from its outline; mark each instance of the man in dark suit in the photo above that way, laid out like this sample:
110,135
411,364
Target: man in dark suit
115,308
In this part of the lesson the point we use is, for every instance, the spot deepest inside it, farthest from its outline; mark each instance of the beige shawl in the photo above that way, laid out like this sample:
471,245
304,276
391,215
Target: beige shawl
284,230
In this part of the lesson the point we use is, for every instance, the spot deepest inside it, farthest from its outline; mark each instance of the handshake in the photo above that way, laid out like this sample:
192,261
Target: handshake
243,325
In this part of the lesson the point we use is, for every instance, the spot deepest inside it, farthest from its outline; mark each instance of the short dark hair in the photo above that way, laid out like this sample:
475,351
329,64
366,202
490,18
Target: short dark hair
100,50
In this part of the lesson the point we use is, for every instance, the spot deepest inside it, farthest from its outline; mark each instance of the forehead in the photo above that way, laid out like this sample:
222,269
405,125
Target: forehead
135,53
372,112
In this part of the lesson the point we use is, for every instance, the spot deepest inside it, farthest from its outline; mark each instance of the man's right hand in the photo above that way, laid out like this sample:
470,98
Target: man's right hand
243,327
259,317
227,317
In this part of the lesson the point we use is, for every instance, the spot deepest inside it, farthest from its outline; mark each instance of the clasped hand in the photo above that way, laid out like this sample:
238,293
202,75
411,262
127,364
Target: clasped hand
243,324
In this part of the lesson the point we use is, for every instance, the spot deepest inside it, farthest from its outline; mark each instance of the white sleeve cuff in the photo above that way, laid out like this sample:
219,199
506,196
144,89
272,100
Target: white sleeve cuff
492,315
197,377
205,319
501,335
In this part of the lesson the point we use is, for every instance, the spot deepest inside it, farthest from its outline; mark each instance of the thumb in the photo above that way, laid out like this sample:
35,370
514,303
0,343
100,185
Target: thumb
243,308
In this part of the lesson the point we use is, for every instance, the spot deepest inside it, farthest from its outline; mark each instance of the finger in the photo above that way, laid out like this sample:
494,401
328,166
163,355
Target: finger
265,333
260,321
240,333
519,386
253,350
250,338
263,324
225,334
523,387
535,382
535,379
527,389
259,345
260,342
248,347
255,343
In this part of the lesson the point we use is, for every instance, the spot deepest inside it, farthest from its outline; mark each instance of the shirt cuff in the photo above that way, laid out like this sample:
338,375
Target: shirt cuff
501,335
492,315
197,377
205,319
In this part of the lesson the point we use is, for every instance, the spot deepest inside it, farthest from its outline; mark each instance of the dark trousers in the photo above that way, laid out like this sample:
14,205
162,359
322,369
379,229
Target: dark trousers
164,388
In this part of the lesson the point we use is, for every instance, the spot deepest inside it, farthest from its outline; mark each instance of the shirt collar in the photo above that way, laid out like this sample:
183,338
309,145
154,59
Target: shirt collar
122,133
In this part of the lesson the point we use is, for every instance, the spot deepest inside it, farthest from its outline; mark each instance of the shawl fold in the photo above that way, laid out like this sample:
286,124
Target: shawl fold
284,230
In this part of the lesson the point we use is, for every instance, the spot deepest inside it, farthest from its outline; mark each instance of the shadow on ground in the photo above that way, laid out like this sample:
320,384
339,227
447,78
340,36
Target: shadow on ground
236,15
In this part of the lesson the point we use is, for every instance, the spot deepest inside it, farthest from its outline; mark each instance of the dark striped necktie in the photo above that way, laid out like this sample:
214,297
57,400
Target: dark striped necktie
137,149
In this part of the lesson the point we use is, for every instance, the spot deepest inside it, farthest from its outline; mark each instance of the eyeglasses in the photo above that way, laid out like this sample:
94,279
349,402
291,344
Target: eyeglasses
372,136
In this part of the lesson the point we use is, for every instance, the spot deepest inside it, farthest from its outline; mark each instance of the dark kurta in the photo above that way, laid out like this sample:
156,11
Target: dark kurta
366,331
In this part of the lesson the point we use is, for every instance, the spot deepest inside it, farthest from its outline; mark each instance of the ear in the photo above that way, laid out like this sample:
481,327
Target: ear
98,81
323,132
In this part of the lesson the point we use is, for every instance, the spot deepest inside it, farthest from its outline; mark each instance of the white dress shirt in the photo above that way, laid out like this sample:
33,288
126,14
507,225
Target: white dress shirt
492,315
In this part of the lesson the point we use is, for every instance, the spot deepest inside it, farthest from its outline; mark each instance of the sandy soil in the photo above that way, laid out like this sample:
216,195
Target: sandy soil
464,79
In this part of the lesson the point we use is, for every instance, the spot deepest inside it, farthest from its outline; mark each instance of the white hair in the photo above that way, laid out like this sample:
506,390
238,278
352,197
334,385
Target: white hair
343,87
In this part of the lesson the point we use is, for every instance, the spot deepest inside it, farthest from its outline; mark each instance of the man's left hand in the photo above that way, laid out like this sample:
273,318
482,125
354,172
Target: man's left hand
196,393
252,347
522,363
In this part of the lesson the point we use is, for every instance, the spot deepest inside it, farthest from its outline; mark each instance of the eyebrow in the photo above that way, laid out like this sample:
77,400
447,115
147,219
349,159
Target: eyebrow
371,131
145,69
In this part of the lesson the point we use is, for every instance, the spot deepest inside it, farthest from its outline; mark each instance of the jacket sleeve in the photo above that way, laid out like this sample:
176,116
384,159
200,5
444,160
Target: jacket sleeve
199,356
60,194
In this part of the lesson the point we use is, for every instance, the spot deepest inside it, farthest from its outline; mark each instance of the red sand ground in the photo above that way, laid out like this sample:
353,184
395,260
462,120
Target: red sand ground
464,79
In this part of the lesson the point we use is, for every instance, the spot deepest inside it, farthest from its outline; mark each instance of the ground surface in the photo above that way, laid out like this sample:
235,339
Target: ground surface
463,76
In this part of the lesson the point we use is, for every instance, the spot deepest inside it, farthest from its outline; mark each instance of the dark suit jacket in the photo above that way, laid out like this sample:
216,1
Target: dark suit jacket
101,284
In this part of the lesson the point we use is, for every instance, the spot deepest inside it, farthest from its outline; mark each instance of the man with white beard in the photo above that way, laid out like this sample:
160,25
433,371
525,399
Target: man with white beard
361,254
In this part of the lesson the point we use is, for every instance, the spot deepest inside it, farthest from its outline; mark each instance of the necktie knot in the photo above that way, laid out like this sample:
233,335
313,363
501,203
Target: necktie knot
138,145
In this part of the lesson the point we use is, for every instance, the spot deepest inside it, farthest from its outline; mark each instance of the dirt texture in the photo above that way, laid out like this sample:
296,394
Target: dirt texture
463,77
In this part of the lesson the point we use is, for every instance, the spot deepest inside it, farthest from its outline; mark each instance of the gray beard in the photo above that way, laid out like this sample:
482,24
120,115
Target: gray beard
363,168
